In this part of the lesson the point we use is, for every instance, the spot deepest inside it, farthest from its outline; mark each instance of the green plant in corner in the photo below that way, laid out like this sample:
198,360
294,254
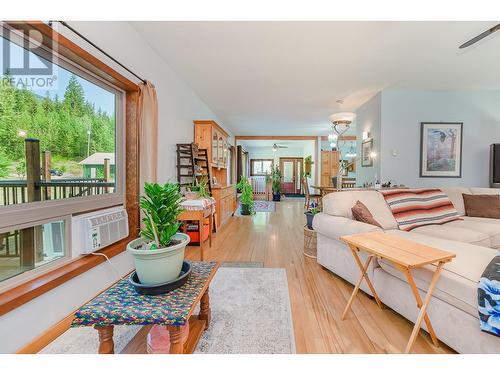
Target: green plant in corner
246,199
160,205
276,180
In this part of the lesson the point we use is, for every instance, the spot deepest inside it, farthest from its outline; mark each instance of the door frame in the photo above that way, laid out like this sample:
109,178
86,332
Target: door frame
296,174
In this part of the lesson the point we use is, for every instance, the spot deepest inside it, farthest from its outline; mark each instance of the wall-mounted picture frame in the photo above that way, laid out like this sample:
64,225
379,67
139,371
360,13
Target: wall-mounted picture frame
345,167
441,149
366,150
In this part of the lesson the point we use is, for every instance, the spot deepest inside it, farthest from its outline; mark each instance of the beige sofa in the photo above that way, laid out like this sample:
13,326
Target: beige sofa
453,308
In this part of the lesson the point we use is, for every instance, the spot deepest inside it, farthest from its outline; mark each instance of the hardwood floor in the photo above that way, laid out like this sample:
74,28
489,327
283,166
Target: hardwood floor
317,296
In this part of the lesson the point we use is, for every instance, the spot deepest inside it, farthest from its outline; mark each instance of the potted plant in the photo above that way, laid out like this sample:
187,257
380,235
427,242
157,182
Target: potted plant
198,189
276,183
159,252
313,210
246,199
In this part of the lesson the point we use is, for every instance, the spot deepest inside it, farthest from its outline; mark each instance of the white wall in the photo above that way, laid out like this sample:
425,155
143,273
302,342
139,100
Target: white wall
402,113
178,107
368,119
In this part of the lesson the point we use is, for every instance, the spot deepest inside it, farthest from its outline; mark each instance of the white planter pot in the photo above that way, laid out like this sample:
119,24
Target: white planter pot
161,265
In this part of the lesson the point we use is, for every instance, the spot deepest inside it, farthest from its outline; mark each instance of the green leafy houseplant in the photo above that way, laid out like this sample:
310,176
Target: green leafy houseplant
201,187
276,183
246,199
159,251
161,207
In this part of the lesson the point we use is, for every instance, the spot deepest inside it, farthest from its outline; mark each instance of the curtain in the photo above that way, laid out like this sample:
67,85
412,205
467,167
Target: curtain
148,133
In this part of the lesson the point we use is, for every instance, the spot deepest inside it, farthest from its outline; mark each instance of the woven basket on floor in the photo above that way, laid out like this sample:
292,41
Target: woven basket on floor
310,240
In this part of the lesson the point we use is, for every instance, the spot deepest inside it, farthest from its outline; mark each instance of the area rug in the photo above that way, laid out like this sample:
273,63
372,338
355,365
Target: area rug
251,314
264,206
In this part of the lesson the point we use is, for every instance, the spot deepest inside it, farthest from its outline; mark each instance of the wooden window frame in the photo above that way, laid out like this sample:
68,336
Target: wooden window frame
20,294
259,160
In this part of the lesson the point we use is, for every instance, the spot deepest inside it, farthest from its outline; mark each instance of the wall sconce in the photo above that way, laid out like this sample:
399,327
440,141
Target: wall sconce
365,135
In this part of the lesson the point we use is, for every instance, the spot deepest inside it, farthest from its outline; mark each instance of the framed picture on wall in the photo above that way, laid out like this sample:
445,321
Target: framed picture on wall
345,167
441,149
366,150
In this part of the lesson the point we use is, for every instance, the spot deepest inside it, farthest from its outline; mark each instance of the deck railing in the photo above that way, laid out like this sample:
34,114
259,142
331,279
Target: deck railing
16,191
39,185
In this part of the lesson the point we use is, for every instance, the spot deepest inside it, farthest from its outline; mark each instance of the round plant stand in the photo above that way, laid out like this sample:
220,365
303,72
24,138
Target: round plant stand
310,243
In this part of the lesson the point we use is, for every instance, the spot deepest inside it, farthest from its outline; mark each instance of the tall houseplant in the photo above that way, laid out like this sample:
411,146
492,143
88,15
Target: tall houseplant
276,183
246,199
159,252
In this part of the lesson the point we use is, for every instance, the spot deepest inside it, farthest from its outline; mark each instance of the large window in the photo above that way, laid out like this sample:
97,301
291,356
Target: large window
260,167
61,151
25,249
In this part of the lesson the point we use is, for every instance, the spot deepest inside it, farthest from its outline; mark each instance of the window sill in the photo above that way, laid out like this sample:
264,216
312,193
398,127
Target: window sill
28,290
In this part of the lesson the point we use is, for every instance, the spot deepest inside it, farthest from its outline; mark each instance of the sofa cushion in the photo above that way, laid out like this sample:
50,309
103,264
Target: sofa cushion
484,225
489,191
340,203
335,226
455,195
456,233
361,213
458,282
413,208
482,205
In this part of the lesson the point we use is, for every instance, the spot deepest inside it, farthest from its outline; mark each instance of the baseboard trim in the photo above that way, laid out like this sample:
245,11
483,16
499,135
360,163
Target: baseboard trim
48,336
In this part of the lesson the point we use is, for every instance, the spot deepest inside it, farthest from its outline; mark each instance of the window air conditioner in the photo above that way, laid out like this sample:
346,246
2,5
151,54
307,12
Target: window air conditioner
93,231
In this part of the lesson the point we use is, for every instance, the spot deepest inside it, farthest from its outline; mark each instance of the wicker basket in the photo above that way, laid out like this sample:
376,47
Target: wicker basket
310,240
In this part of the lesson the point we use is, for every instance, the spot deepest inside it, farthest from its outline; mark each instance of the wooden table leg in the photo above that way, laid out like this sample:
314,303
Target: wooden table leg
210,226
205,312
201,227
176,334
423,309
418,298
358,284
106,344
354,251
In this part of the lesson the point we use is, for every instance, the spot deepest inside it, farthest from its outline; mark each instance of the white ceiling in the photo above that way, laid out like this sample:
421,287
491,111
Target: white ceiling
276,78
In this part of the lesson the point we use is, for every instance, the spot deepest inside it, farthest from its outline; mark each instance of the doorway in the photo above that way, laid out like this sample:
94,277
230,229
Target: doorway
291,172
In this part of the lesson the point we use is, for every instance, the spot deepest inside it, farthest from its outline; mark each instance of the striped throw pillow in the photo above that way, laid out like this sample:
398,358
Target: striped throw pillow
413,208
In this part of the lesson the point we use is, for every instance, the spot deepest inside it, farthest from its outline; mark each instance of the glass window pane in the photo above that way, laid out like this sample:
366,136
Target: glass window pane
288,171
26,249
257,167
266,166
73,121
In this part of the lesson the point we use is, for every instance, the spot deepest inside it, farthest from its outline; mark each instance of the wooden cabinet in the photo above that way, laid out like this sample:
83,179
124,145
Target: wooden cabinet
225,198
209,135
329,167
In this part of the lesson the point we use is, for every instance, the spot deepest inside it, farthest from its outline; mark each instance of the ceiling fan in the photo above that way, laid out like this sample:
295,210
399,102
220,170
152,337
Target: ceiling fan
480,36
277,147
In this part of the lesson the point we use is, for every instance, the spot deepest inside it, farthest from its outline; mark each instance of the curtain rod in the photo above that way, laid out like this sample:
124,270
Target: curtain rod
98,48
